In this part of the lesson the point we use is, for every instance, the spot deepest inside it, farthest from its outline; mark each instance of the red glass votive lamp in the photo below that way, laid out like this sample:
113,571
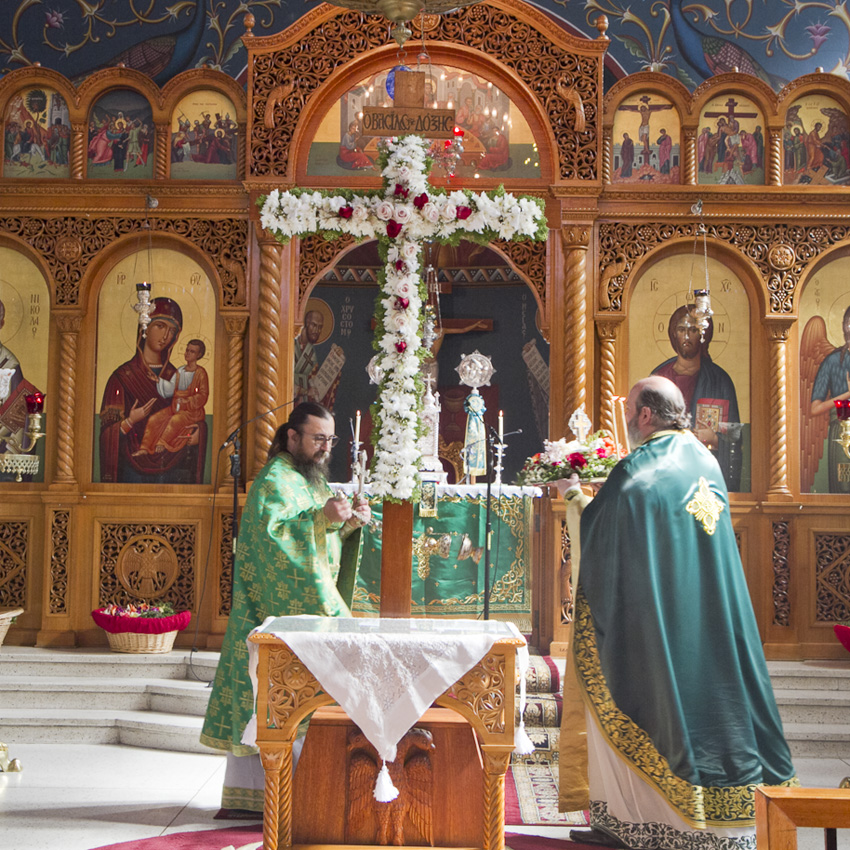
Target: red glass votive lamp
842,408
35,402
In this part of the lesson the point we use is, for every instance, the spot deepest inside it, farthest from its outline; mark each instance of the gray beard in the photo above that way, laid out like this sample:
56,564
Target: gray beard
315,471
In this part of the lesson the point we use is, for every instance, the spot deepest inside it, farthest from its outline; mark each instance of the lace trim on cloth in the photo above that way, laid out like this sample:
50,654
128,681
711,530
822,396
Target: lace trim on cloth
730,806
661,836
384,676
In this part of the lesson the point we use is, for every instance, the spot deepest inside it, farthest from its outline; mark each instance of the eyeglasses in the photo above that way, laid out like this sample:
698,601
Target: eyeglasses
318,439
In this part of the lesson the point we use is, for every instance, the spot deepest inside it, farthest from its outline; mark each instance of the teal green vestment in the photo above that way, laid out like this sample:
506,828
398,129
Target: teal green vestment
666,647
288,558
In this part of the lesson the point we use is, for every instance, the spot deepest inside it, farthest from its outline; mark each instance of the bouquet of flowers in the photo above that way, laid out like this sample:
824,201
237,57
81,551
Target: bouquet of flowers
141,618
591,460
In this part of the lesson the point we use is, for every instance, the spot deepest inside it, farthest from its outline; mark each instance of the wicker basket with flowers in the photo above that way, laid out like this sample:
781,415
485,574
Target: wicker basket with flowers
141,627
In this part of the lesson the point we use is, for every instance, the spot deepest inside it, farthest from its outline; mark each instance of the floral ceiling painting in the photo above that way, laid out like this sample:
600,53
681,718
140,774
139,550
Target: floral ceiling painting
776,41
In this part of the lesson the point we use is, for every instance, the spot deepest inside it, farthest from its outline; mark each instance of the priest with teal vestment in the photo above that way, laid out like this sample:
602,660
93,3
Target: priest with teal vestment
669,717
297,553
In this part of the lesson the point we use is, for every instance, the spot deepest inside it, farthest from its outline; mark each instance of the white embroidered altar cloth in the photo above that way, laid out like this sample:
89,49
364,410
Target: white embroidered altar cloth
385,673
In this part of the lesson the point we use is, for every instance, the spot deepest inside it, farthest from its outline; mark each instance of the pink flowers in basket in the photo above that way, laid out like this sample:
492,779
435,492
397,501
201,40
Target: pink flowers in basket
141,618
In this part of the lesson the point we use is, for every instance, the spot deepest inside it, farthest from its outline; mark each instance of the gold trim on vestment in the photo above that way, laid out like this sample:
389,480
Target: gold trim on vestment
699,806
705,507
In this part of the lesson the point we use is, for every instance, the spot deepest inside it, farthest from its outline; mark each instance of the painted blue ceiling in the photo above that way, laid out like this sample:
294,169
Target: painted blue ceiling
776,40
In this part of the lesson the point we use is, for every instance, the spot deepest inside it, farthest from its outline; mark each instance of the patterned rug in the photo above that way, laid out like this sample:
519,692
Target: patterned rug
531,797
246,838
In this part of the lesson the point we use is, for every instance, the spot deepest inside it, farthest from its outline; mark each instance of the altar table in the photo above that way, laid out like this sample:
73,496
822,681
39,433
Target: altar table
447,582
288,692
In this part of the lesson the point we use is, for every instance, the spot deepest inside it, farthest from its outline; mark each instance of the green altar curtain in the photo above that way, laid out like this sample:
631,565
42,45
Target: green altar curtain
445,585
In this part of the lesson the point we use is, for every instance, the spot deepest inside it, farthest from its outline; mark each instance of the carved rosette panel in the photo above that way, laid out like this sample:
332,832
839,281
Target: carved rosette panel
69,244
544,67
832,577
14,547
60,549
156,559
225,553
291,685
781,252
781,574
482,689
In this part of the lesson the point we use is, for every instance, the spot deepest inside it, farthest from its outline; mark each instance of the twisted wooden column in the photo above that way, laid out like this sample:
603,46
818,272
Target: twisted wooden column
79,146
774,157
162,150
575,240
277,805
607,330
268,347
496,760
690,134
778,338
606,155
235,327
69,330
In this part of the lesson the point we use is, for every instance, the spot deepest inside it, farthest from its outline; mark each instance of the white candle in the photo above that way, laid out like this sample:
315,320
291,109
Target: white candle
357,429
501,426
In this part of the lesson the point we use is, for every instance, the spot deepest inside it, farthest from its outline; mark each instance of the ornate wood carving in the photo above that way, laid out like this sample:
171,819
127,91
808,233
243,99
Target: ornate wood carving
409,818
524,47
774,157
690,158
162,150
69,328
495,767
529,259
315,254
781,574
782,252
482,689
778,335
277,816
14,549
606,155
565,573
225,554
832,577
235,327
70,243
291,685
60,549
164,568
575,241
268,347
79,148
607,332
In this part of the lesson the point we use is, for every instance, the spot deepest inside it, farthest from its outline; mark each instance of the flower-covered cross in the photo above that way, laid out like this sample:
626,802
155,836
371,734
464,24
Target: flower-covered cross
405,213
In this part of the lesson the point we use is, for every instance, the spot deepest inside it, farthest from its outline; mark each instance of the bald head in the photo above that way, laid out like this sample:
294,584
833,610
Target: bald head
655,404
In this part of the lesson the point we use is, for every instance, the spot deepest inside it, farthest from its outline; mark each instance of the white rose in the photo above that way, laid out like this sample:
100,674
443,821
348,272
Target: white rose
402,214
431,213
384,210
410,250
449,212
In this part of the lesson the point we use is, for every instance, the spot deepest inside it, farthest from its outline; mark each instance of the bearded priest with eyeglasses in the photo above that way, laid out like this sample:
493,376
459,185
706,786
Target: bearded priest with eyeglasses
296,554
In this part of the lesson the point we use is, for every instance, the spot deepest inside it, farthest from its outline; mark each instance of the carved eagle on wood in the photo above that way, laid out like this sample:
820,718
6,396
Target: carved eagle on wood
411,774
571,96
276,96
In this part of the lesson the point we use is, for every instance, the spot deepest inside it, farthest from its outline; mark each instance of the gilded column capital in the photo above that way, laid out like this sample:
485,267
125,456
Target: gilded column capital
235,325
778,329
607,329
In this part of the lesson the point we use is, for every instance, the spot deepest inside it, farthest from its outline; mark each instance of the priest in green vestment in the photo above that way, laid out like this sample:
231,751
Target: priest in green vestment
669,716
296,553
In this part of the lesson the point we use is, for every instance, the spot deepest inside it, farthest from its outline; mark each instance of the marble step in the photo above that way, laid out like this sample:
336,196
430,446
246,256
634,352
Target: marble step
172,696
818,740
150,729
33,662
816,706
810,675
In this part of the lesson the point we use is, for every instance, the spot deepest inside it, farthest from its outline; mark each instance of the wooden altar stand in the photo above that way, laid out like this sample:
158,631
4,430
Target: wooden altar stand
472,728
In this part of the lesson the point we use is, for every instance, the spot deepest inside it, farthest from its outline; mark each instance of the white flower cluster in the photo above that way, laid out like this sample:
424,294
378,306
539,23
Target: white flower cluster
406,212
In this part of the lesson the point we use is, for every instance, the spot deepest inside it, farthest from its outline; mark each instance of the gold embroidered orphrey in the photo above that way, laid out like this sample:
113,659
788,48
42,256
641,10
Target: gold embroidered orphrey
705,507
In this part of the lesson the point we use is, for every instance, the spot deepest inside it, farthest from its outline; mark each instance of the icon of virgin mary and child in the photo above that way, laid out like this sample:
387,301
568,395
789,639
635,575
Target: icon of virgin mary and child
152,419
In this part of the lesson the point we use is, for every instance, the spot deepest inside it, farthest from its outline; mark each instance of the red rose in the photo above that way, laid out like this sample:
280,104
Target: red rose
399,265
420,200
400,190
577,460
346,212
393,228
402,303
464,212
602,452
401,346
